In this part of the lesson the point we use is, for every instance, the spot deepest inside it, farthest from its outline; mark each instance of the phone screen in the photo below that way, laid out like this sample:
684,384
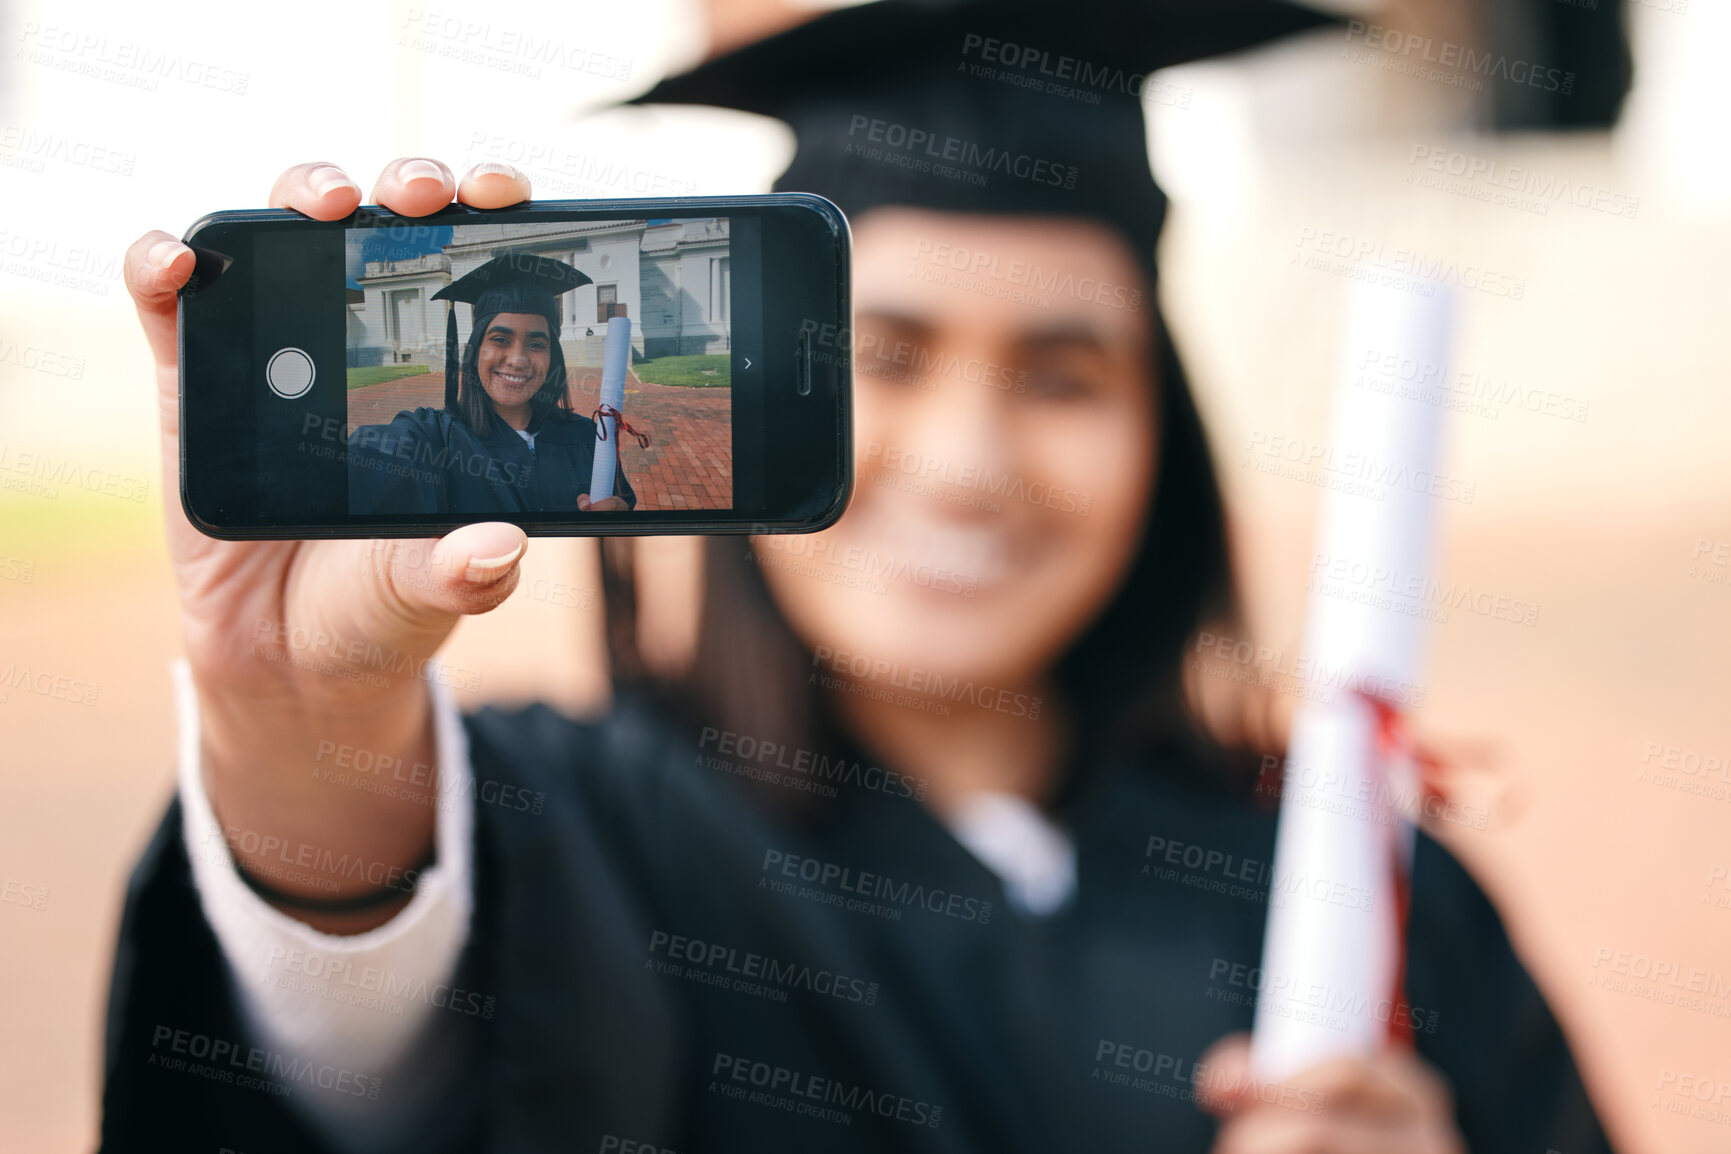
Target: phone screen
567,369
526,428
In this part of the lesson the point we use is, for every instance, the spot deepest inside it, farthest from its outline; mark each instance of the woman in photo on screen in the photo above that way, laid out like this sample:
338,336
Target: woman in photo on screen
506,440
889,844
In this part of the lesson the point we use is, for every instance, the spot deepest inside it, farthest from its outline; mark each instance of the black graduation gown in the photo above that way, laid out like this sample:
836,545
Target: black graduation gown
426,461
679,963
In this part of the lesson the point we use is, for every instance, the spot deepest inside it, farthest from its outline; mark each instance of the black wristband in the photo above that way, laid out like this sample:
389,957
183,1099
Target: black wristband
371,900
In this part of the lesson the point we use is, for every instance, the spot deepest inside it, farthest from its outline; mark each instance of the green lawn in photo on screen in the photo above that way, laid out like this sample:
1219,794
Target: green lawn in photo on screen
361,377
699,371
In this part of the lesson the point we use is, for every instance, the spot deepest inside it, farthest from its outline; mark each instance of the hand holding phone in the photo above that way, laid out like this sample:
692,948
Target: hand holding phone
297,643
592,367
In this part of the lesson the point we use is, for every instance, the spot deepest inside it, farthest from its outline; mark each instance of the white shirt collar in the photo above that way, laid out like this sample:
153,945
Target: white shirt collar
1033,856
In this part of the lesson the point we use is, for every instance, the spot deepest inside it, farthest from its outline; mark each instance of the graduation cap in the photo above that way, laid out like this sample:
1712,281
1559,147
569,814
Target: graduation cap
518,282
1010,106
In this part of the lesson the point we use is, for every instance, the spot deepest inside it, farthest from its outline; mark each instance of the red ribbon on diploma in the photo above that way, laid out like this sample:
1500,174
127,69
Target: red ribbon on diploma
1395,746
624,427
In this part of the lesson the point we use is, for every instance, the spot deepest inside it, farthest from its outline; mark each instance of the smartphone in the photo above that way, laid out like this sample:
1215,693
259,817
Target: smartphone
575,367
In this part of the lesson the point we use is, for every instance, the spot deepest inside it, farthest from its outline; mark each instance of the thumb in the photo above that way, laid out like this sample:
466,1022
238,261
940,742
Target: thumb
386,605
483,557
1223,1077
469,570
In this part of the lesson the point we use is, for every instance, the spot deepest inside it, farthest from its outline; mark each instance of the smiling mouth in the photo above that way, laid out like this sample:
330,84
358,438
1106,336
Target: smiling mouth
515,380
910,542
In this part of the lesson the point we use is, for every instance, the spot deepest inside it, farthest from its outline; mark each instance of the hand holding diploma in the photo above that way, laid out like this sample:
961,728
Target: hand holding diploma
1393,1105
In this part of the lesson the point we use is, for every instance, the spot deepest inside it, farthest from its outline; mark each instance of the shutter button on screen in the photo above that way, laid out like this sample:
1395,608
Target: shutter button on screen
290,373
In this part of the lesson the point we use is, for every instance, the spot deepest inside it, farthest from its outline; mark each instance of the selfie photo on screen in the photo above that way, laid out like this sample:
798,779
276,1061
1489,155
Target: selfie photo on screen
589,372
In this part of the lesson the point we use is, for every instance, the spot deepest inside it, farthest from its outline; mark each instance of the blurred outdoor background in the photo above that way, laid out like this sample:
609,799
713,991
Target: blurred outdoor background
1593,423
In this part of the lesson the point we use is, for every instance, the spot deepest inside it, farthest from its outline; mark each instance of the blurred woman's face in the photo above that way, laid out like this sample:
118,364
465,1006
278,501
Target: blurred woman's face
1004,447
513,358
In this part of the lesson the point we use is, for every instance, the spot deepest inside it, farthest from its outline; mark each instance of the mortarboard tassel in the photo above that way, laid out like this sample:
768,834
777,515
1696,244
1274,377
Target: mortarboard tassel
451,357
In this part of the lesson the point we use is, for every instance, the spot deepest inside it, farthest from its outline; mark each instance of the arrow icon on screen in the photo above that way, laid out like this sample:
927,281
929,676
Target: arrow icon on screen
748,362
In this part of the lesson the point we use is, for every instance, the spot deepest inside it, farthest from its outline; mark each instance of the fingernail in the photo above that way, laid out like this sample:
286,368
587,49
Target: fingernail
413,170
494,168
328,180
488,568
163,252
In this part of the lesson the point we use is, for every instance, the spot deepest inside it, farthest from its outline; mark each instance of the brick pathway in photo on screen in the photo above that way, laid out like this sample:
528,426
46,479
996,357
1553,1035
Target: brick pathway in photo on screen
689,462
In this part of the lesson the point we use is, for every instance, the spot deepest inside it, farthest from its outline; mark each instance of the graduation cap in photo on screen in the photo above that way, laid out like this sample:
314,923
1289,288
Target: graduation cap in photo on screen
1020,106
518,282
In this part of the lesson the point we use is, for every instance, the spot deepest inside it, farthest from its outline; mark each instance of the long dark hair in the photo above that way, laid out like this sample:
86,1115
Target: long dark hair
475,408
1123,680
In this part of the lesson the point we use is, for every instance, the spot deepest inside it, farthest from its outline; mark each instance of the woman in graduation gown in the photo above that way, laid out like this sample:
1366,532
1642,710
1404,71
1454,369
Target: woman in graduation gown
876,869
506,440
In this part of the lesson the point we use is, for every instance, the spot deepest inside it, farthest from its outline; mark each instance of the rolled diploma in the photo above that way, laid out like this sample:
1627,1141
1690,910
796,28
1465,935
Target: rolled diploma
615,356
1329,964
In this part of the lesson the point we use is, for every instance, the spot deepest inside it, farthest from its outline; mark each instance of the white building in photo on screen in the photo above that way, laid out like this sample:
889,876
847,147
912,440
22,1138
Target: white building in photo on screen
673,279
